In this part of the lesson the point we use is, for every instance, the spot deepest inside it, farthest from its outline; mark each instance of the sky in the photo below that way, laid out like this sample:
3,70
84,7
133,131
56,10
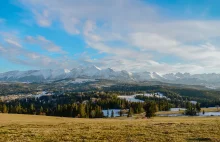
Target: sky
164,36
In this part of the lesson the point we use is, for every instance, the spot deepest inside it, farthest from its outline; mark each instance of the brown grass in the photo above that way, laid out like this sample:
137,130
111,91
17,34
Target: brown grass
42,128
210,109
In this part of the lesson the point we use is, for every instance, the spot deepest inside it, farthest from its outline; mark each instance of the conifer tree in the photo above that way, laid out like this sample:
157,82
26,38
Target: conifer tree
108,113
82,112
4,109
150,109
41,110
198,109
112,114
18,109
121,113
130,112
32,109
93,114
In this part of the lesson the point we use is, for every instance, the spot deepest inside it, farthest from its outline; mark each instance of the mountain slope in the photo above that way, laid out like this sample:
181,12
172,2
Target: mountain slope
93,72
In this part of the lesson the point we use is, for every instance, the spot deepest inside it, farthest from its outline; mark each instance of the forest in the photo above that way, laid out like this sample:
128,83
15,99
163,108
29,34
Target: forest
90,104
87,100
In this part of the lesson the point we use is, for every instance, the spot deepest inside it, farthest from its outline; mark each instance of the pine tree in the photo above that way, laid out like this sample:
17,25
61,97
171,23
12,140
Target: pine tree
32,109
99,113
41,110
150,109
58,111
108,113
121,113
18,109
11,109
130,112
1,108
93,113
4,109
192,109
87,110
64,111
198,109
82,112
112,114
75,110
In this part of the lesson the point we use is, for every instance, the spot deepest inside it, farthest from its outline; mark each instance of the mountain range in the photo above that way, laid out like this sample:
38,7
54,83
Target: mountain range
92,72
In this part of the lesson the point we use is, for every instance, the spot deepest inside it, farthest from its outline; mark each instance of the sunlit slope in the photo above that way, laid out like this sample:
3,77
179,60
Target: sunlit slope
43,128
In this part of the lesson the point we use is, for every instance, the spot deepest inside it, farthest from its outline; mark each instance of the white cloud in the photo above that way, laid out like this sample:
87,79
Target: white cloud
146,41
33,59
152,41
43,18
11,49
13,42
128,31
45,44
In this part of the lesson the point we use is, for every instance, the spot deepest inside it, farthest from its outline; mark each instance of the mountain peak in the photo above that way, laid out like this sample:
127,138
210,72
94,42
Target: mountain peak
93,67
94,72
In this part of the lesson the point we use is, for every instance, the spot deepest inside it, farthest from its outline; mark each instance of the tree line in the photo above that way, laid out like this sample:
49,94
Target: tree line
76,106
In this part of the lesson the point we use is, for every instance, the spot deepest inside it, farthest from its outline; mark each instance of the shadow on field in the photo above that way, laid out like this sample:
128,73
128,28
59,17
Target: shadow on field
199,140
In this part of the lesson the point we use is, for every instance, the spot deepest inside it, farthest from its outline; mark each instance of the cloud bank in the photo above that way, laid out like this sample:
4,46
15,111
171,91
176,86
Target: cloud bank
132,34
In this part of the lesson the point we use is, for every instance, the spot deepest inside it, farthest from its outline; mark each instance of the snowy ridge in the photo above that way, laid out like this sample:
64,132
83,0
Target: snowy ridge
93,72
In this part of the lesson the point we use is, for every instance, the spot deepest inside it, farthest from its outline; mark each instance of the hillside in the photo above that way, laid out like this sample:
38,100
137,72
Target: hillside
43,128
210,80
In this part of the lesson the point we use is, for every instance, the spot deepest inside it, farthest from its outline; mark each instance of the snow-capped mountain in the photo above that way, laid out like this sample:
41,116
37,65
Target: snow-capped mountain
86,72
93,72
147,76
34,75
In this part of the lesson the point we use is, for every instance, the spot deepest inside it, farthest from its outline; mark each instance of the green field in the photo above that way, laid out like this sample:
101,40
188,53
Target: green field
14,127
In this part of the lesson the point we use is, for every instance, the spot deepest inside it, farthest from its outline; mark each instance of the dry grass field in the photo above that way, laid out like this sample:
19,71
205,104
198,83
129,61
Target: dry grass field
210,109
42,128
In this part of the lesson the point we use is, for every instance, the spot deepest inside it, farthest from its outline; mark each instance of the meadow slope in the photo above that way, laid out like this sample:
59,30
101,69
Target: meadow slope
14,127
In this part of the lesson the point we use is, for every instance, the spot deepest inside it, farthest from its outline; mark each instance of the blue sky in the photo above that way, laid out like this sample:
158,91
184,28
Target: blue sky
136,35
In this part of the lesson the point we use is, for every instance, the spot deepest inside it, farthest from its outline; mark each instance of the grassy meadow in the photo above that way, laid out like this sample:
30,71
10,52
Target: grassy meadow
14,127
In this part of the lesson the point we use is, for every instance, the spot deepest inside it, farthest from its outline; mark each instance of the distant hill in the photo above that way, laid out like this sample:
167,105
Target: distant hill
211,81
